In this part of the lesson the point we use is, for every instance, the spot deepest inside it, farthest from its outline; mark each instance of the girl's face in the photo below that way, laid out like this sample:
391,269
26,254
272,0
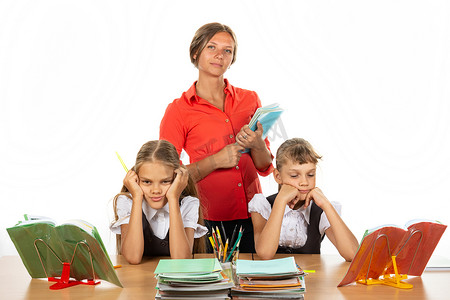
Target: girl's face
155,180
301,176
217,55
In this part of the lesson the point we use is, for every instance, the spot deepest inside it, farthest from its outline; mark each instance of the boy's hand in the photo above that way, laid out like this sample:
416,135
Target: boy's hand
179,183
131,182
317,195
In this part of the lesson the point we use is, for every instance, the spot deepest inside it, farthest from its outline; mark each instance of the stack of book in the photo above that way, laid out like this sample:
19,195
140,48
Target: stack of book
274,279
191,279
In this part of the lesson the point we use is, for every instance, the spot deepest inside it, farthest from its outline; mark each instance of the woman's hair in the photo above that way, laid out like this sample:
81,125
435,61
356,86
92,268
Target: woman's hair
298,151
164,152
202,37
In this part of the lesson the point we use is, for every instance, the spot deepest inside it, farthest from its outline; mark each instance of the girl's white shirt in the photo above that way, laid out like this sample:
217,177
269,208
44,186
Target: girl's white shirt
159,219
294,231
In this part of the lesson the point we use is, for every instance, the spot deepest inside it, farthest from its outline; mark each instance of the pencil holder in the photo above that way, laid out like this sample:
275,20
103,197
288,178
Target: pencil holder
229,268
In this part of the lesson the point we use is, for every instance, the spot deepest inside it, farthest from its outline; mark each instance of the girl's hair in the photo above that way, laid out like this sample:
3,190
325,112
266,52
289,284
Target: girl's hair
298,151
202,37
164,152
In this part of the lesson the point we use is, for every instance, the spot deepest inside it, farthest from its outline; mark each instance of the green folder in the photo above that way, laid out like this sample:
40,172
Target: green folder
199,265
40,243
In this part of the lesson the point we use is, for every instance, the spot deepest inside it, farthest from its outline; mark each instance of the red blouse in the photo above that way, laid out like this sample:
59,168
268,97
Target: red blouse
201,129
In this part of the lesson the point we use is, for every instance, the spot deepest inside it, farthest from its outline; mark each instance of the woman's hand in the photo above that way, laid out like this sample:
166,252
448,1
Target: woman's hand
131,182
228,157
179,183
319,198
250,139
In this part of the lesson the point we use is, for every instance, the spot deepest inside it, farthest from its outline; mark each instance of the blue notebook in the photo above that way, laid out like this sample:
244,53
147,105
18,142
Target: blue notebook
267,116
285,265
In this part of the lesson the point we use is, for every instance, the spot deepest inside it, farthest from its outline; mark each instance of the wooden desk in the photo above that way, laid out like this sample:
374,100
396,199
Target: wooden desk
139,282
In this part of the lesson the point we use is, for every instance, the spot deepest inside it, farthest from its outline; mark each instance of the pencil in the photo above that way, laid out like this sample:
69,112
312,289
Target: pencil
212,242
235,244
236,254
216,243
233,235
225,249
218,235
121,161
224,232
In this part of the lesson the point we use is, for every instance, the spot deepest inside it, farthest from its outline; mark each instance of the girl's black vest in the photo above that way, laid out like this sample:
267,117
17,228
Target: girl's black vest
154,246
313,240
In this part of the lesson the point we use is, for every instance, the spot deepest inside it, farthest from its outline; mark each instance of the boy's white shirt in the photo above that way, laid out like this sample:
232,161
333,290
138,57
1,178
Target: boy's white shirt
293,231
159,219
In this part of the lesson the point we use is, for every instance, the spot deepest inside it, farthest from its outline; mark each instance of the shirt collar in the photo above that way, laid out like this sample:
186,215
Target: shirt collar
150,212
302,210
191,93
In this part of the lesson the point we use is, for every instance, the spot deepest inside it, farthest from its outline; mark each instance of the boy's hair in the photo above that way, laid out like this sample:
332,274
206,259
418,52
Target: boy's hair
297,150
202,37
163,152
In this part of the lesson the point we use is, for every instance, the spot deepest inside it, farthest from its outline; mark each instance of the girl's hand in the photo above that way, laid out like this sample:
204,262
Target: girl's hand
317,195
179,183
289,194
248,138
131,182
228,157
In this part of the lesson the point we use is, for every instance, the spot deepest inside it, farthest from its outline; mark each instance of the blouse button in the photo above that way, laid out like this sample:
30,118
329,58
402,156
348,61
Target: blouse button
231,136
237,167
239,184
227,120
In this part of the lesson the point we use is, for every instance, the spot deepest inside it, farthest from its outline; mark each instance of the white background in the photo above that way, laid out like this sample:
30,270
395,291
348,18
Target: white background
367,83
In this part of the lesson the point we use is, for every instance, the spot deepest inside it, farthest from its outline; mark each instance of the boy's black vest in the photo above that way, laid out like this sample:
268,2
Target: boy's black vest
154,246
313,240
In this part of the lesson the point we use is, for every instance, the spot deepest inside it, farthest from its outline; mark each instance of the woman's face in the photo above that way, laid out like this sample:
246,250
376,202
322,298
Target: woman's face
155,180
217,55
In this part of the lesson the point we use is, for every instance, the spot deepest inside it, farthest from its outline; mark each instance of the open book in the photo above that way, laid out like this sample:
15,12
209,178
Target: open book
412,248
267,116
44,247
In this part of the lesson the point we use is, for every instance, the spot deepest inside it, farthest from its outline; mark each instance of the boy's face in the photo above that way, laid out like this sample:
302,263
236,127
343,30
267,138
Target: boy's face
301,176
155,180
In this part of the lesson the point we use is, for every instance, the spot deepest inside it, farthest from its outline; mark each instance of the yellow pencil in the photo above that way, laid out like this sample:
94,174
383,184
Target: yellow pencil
212,242
225,249
121,161
218,235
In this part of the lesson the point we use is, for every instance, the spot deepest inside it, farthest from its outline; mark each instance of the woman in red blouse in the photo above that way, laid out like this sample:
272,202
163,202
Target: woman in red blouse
209,121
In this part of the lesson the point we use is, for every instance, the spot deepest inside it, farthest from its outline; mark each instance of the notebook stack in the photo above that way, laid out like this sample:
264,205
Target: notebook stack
191,279
274,279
